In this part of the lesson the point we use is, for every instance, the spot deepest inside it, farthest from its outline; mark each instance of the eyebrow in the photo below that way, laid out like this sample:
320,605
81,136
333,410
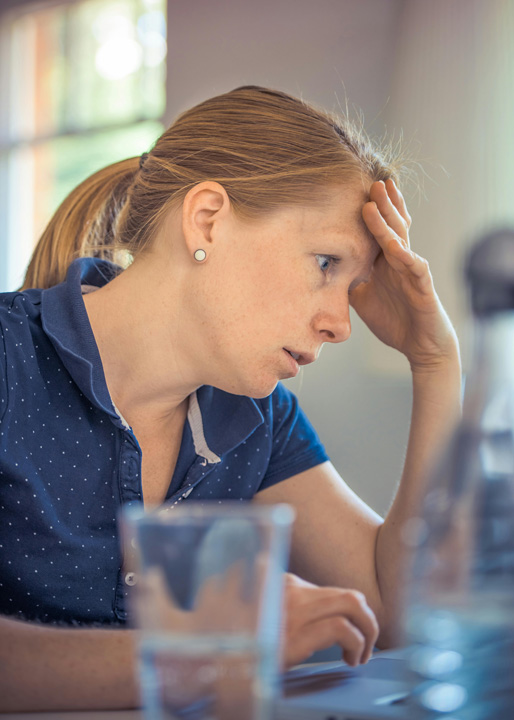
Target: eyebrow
360,226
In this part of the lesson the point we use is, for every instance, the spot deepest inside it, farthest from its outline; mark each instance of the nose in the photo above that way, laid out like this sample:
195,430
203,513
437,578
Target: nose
333,323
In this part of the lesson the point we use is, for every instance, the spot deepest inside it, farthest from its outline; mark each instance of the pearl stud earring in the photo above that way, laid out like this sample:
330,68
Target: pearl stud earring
200,255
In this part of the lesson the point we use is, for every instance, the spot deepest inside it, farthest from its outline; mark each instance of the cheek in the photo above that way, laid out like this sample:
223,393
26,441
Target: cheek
277,287
276,308
252,304
225,310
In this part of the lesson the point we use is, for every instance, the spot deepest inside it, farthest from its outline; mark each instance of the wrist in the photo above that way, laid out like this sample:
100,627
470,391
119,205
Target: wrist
439,385
445,360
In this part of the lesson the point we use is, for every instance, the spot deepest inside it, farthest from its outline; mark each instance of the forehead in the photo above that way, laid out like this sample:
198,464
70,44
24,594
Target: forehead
338,222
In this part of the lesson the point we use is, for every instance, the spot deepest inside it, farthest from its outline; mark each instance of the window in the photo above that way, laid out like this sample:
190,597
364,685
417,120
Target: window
85,87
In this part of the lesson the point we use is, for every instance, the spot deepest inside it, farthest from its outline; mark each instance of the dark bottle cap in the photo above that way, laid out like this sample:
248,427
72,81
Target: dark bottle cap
490,273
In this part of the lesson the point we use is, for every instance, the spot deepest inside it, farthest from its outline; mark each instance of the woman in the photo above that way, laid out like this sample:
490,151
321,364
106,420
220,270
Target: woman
254,223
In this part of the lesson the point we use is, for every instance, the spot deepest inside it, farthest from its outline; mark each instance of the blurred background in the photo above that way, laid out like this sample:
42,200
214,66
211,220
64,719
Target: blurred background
88,82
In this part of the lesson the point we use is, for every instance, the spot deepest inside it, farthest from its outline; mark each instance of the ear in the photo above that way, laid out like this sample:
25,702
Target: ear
205,208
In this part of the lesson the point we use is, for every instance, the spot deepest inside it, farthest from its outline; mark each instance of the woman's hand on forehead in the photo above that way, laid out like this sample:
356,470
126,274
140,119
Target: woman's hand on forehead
399,303
387,218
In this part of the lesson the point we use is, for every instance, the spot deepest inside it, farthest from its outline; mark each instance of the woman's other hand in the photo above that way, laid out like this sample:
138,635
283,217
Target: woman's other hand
318,617
399,303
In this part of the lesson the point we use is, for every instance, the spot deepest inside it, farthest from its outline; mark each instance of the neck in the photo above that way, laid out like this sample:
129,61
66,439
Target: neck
146,369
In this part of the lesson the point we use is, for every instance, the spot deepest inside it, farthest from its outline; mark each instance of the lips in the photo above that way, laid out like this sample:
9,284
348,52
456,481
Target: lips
302,358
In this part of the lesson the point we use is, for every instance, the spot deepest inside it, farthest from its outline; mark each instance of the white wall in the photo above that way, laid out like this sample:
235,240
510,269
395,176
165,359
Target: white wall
317,49
453,95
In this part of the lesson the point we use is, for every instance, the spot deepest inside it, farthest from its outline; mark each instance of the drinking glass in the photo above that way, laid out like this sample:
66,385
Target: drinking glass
207,598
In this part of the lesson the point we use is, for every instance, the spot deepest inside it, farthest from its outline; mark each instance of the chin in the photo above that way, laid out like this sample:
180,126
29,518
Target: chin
259,393
253,389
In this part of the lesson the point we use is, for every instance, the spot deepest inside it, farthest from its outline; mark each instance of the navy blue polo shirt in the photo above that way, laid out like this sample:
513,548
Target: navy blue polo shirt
69,461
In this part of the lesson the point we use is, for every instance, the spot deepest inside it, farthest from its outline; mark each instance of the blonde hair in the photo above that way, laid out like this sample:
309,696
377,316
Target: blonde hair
267,148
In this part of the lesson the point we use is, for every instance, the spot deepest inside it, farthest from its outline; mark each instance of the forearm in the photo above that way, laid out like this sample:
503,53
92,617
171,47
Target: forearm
54,668
435,409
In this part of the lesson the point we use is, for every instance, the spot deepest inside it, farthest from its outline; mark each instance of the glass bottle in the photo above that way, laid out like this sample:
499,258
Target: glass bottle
460,609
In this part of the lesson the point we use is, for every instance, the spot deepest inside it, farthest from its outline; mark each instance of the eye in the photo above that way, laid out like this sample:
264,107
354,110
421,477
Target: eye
326,262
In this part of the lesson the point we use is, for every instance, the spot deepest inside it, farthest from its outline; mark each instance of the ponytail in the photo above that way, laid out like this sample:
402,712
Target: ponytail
83,226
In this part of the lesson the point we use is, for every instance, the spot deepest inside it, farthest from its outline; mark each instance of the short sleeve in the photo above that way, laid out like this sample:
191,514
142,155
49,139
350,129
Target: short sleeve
296,446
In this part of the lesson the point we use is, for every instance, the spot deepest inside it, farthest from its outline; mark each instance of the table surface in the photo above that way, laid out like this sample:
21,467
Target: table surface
139,715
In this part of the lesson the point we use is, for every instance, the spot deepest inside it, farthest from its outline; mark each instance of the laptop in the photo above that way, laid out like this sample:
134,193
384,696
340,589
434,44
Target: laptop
335,691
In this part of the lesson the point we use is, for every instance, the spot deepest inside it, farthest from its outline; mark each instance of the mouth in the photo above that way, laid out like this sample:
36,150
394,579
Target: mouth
301,358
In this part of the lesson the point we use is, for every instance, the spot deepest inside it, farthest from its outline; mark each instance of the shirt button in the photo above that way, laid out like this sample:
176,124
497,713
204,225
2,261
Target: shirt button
130,578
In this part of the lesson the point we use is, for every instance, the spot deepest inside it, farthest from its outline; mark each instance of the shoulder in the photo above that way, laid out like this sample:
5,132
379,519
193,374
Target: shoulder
287,421
17,306
295,445
19,313
10,315
7,329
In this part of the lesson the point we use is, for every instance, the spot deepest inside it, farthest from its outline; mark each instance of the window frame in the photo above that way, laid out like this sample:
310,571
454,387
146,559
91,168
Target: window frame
12,11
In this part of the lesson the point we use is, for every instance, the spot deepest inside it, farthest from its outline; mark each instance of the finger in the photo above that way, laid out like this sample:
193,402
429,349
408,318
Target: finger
326,603
323,634
351,640
352,605
340,631
343,632
398,200
379,194
398,255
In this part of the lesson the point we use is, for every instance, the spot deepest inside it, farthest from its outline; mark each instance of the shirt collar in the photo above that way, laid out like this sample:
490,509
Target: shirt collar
65,321
219,420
